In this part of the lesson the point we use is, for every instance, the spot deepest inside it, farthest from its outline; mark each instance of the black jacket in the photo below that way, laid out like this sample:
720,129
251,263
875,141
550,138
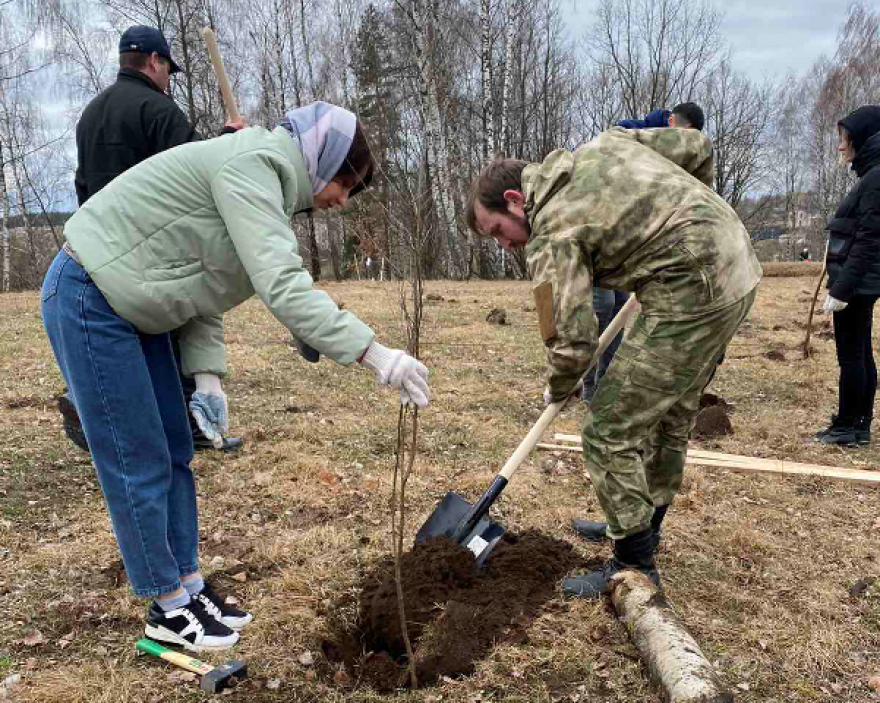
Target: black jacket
125,124
854,242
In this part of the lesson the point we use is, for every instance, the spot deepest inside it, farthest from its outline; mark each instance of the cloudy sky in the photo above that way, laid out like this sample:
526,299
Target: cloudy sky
769,37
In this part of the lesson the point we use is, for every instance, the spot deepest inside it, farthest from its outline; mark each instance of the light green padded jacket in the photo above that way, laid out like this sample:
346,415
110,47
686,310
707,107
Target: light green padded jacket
195,230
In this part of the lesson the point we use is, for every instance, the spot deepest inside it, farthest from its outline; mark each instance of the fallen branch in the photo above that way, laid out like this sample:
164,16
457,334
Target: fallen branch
672,656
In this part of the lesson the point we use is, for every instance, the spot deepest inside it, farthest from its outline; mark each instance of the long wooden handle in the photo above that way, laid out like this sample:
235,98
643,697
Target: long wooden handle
220,71
551,411
813,304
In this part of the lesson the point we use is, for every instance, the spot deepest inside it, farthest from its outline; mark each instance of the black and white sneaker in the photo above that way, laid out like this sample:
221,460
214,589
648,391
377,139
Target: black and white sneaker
217,606
191,627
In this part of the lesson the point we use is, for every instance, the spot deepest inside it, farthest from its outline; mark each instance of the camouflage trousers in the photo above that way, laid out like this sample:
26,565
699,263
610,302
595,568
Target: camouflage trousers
635,437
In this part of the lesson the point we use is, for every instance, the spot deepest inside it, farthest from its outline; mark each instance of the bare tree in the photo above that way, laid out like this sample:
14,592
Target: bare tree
738,119
660,51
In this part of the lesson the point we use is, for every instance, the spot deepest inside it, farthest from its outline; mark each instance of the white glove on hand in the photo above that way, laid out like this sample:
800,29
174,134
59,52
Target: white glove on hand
833,304
209,408
396,368
575,393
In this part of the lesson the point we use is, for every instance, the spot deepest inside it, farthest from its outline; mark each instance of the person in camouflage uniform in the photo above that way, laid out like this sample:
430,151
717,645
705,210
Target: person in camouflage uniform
630,210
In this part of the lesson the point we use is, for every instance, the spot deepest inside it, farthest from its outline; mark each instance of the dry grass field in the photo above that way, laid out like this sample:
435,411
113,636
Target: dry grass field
774,576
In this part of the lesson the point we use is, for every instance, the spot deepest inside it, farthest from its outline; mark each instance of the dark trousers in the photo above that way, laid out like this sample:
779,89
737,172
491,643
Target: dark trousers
606,304
855,355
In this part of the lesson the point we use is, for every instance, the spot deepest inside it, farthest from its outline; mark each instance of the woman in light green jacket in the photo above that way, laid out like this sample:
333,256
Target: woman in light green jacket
173,243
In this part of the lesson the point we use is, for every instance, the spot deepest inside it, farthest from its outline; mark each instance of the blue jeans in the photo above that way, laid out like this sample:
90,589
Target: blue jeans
127,392
606,304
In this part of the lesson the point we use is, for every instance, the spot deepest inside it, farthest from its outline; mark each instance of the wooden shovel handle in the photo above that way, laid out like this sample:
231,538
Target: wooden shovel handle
220,71
551,411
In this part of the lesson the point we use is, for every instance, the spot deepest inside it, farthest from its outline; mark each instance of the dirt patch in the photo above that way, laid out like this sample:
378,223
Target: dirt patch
28,401
455,611
712,422
775,355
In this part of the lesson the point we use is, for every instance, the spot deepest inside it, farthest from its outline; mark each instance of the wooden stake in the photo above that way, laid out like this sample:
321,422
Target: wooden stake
672,656
747,464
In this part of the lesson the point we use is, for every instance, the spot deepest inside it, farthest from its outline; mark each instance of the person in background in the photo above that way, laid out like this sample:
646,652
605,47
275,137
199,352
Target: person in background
128,122
853,262
607,303
172,244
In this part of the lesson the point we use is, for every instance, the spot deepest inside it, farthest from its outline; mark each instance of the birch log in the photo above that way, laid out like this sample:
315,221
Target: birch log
671,655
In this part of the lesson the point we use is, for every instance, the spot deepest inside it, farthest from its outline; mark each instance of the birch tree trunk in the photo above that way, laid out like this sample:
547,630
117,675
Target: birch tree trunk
434,133
4,227
672,656
486,78
509,31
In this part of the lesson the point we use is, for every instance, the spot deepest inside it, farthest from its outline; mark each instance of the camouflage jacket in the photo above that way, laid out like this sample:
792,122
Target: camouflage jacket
630,210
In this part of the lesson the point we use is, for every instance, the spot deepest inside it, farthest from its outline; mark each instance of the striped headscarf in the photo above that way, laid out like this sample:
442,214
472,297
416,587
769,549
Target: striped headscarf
324,133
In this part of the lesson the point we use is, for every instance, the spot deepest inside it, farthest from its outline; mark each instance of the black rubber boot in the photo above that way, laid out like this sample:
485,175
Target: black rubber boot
842,432
203,444
595,531
633,552
590,531
70,418
863,430
656,521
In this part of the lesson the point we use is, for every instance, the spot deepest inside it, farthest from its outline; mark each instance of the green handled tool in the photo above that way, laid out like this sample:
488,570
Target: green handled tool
214,678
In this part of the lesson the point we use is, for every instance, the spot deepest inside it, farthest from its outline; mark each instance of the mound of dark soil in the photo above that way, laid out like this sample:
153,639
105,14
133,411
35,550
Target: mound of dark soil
707,400
455,611
497,316
775,355
712,421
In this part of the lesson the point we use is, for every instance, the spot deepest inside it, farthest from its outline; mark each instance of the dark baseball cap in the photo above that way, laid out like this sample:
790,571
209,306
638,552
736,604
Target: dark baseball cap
146,40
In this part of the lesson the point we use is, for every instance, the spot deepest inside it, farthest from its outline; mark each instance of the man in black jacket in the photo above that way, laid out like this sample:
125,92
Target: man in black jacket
126,123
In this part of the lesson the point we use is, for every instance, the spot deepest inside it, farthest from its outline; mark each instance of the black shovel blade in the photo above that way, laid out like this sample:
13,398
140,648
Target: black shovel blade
446,518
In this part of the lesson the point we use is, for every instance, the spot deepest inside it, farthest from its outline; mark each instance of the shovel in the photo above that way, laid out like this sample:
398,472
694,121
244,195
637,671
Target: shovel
467,524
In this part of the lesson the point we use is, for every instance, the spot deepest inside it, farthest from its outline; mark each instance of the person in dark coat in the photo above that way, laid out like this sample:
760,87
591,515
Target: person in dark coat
853,262
126,123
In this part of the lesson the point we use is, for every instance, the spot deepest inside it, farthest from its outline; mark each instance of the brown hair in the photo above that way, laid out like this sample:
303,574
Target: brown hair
134,59
359,160
488,188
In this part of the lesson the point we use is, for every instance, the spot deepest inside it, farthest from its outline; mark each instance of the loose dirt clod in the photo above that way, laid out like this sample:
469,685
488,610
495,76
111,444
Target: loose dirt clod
497,316
707,400
454,610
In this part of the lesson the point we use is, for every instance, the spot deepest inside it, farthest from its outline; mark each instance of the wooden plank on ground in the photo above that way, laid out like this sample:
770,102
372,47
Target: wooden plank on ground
737,462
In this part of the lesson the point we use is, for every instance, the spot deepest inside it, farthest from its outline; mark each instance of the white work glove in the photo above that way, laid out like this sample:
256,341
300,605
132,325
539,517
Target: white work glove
833,304
209,408
575,393
396,368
